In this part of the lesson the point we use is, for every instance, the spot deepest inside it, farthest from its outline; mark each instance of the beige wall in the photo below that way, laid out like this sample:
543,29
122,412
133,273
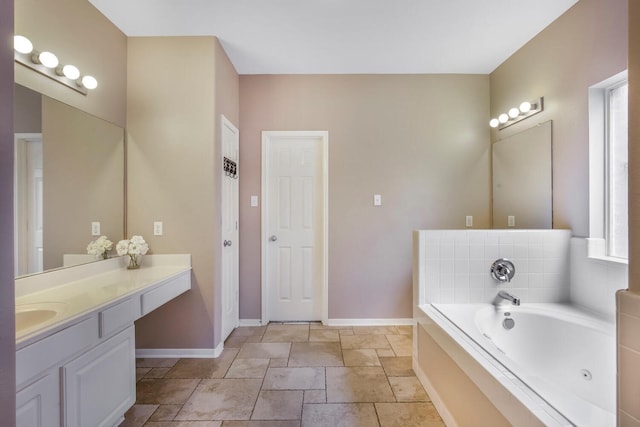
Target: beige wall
177,88
7,296
421,141
78,34
83,169
27,111
581,48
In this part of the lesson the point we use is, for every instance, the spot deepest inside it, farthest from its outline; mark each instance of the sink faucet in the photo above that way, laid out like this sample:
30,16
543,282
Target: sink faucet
506,295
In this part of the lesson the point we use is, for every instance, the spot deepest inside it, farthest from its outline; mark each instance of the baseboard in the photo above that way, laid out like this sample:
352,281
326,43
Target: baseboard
191,353
370,322
250,322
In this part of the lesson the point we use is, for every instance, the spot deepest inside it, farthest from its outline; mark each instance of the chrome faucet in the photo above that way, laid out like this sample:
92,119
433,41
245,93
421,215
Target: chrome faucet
506,295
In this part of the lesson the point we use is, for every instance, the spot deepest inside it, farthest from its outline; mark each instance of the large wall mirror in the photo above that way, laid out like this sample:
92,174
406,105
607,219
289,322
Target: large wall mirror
69,174
522,179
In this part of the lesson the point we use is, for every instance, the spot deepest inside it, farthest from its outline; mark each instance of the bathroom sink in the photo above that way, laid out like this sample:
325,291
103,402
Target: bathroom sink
30,315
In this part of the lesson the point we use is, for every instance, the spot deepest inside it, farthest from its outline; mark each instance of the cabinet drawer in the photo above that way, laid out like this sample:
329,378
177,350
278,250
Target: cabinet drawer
50,351
166,292
119,316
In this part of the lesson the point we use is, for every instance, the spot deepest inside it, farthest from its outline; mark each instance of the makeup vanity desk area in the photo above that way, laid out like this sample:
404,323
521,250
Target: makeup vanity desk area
75,341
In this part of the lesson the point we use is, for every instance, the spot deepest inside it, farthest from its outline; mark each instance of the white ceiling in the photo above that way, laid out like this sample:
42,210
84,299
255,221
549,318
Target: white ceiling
347,36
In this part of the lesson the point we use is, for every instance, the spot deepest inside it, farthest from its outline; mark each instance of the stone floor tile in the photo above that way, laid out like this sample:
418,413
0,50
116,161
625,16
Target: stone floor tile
157,372
315,396
254,338
264,350
385,352
262,423
294,379
375,330
408,415
278,362
361,357
248,368
315,354
286,333
165,413
248,331
164,391
358,384
364,341
203,368
397,366
402,344
405,330
141,372
184,424
137,415
221,399
324,335
339,415
408,389
278,405
346,332
156,363
235,342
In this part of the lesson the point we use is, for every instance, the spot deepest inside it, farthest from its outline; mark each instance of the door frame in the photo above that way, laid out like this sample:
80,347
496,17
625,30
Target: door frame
267,138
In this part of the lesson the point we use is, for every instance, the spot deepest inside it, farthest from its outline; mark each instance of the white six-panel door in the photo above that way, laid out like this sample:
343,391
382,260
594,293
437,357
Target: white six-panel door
294,226
230,232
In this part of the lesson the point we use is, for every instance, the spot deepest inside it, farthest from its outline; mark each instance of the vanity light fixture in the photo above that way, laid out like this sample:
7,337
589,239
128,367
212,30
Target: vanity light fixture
47,64
524,111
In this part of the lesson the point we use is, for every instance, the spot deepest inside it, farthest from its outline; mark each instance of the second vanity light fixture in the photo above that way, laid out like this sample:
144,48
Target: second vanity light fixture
516,114
47,63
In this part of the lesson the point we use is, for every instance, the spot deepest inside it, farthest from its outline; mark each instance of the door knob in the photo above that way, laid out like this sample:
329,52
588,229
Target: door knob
273,238
227,243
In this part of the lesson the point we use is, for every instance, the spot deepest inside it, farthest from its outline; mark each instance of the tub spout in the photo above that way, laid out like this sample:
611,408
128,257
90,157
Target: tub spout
506,295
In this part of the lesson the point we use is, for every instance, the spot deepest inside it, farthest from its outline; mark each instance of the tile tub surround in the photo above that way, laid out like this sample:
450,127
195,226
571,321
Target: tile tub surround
628,313
288,375
452,266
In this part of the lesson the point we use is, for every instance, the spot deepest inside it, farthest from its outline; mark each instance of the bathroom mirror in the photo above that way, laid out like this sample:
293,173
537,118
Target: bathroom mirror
69,175
522,179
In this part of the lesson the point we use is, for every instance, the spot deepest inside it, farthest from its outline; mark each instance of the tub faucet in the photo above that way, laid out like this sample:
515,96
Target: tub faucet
506,295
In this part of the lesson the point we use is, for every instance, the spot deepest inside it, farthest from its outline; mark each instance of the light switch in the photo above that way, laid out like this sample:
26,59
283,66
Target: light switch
469,221
254,201
377,200
511,221
95,228
157,228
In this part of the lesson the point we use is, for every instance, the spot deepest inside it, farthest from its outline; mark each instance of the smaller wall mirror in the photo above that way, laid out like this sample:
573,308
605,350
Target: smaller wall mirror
69,174
522,179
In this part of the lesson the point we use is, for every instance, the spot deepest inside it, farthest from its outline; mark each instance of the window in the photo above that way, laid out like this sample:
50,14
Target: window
608,169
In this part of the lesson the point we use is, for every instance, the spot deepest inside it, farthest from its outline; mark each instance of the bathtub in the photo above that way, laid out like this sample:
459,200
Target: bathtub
554,355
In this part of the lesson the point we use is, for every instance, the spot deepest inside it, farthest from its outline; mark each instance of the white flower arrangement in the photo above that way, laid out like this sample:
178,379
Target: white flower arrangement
100,247
132,247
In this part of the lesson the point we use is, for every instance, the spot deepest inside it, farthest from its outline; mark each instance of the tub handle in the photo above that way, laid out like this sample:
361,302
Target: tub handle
503,270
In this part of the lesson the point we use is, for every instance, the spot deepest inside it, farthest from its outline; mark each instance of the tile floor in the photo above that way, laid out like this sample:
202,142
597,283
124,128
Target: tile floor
289,375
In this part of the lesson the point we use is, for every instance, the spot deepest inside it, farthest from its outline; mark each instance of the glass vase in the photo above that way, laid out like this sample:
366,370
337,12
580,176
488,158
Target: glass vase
133,262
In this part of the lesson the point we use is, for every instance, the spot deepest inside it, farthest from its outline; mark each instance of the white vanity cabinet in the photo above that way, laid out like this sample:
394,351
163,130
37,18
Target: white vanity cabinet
81,372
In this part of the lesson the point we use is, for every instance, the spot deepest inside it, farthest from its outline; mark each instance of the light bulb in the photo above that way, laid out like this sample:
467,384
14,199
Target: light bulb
89,82
48,59
514,112
503,118
494,123
525,107
71,72
22,44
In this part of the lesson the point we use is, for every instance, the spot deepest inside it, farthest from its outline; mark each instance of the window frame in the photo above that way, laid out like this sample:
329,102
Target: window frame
598,242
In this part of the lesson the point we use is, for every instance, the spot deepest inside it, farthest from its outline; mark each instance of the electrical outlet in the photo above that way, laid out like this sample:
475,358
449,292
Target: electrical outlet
469,221
254,201
511,221
95,228
377,200
157,228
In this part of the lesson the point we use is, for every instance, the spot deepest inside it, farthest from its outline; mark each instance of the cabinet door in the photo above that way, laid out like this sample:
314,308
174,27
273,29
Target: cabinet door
99,386
38,405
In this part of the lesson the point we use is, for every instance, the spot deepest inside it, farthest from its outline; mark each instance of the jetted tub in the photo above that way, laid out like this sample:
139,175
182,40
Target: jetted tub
564,355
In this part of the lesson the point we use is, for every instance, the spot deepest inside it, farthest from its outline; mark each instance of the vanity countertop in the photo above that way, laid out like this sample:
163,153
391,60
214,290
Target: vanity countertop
76,299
